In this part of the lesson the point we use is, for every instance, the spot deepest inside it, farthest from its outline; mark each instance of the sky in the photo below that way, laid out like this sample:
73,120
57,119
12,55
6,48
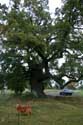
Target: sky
52,4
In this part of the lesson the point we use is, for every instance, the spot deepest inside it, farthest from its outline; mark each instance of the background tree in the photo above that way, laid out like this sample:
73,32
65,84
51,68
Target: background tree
71,19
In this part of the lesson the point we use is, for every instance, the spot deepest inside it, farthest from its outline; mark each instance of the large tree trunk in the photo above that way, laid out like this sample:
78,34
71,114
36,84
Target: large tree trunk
37,88
36,80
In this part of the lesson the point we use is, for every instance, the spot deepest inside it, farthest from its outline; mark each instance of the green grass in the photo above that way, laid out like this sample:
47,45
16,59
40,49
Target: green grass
79,92
56,111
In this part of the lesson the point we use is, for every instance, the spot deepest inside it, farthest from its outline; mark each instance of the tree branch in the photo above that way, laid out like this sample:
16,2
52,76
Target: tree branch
72,80
55,55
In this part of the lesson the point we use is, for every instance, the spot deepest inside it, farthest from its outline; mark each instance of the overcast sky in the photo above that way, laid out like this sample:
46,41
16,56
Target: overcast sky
52,3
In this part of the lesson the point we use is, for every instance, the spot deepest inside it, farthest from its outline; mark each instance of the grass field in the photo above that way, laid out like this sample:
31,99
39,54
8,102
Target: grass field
80,92
54,111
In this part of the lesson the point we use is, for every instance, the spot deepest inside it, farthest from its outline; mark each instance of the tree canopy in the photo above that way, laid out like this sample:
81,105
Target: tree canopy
33,43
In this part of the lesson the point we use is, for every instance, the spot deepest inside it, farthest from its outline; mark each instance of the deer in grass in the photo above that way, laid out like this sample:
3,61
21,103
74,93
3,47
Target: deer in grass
25,109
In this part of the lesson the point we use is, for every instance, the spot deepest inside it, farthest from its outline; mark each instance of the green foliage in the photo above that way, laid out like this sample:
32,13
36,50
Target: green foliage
31,36
16,79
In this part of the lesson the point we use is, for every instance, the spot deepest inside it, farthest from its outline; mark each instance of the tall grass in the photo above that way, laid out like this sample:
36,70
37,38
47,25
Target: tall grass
56,111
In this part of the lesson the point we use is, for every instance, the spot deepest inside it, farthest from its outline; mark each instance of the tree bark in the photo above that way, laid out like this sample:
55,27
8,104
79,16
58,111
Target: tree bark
36,81
37,88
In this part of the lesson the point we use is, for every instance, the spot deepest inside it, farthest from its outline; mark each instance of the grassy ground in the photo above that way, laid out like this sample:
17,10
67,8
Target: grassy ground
79,92
54,111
